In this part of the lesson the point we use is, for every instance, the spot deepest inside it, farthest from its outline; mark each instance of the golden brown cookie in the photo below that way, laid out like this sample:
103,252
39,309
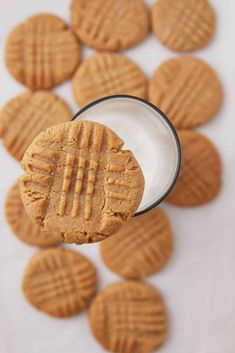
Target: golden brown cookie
20,223
141,247
110,25
59,282
25,116
79,184
187,90
200,177
129,317
183,25
106,74
42,52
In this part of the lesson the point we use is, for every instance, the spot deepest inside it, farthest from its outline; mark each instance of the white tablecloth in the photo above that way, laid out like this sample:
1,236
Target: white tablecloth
198,284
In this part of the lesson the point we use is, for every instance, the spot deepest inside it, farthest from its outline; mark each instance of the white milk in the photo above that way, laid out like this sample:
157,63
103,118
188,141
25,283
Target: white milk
147,135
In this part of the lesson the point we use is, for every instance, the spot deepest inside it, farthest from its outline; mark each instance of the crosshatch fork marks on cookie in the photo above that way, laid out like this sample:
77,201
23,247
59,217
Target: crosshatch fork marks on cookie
105,74
45,50
129,317
94,140
183,25
148,238
105,25
80,176
200,179
187,90
59,282
77,166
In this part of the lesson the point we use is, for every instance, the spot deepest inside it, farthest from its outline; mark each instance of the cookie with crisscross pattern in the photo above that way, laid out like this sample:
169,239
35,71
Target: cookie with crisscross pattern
129,317
183,25
141,247
42,52
106,74
110,25
200,176
79,184
187,90
59,282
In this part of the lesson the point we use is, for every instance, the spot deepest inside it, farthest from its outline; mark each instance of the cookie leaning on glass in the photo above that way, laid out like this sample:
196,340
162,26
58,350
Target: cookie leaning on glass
79,184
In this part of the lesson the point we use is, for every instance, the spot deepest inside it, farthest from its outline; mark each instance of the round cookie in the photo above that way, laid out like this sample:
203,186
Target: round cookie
79,184
42,52
110,25
20,223
26,115
200,177
187,90
141,247
183,25
59,282
129,317
106,74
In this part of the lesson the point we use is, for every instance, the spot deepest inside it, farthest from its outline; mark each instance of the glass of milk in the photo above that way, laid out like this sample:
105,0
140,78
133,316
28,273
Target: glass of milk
148,133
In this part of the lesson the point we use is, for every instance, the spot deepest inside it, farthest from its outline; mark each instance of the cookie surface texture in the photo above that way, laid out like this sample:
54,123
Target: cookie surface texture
106,74
187,90
41,52
183,25
59,282
26,115
129,317
79,185
141,247
20,223
110,25
200,177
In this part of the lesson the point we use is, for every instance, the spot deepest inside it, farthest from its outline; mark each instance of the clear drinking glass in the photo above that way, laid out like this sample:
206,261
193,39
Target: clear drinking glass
149,134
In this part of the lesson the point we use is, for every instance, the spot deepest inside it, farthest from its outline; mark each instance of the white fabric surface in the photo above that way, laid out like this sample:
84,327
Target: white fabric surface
198,284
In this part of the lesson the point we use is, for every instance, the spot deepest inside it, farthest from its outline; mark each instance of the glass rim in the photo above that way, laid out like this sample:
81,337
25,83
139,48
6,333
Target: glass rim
167,121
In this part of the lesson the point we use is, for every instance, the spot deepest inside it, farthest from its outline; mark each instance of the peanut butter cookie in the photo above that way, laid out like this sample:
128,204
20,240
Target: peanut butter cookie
20,223
110,25
129,317
79,185
42,52
183,25
26,115
59,282
106,74
141,247
200,177
187,90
